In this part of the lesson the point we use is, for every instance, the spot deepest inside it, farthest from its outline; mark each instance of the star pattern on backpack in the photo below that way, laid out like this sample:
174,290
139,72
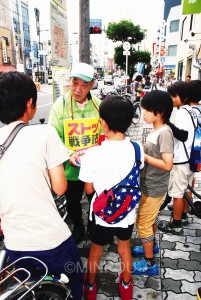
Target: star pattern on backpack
122,198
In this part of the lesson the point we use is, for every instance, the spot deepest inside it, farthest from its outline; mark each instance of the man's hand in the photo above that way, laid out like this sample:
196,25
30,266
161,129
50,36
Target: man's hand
75,160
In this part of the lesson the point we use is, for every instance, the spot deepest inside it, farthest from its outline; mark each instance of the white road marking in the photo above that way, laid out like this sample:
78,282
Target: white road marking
44,105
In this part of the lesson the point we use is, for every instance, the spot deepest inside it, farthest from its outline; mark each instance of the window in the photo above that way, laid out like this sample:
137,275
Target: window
24,11
27,43
25,27
174,26
172,50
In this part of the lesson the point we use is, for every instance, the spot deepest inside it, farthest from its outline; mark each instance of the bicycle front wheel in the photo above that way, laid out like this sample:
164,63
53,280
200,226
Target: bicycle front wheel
137,114
47,290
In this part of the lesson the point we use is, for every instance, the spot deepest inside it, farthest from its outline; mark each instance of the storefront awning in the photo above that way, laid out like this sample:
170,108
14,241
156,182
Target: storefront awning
7,68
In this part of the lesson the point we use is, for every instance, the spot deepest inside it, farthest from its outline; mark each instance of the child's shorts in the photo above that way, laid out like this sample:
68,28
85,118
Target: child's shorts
101,235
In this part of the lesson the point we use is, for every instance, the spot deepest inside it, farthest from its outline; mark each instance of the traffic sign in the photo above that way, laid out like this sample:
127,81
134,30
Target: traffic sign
126,52
126,46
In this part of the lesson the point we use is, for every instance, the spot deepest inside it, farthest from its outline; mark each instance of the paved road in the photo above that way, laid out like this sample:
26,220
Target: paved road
179,259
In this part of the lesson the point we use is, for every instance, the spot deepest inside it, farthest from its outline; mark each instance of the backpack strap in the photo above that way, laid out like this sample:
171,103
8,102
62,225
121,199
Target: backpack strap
194,128
137,153
137,161
190,116
10,138
195,107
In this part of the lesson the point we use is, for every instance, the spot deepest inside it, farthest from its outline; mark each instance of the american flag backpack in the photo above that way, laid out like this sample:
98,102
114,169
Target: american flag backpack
113,205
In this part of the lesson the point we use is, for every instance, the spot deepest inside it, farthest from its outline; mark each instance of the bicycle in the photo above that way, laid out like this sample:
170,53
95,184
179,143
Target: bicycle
195,207
104,94
44,288
135,120
137,112
123,90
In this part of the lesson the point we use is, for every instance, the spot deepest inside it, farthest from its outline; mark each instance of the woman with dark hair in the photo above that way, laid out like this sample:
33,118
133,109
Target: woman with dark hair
136,87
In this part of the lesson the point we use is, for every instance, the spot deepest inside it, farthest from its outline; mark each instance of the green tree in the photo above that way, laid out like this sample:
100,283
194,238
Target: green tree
124,31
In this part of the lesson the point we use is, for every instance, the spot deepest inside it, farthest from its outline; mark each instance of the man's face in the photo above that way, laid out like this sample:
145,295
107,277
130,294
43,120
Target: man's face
80,88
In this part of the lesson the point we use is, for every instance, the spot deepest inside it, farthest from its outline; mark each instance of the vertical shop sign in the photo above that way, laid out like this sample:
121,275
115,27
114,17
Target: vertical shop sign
4,51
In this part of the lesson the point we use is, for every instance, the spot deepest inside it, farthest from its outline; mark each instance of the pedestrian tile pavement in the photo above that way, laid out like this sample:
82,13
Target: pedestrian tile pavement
179,258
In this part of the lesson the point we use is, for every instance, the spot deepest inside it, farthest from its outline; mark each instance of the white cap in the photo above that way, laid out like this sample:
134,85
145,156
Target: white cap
83,71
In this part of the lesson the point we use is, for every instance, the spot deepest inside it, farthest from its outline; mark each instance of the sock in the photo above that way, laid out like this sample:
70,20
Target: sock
125,284
150,261
184,215
177,223
90,286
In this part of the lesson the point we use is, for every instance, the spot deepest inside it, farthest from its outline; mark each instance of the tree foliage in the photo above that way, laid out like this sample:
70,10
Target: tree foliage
124,31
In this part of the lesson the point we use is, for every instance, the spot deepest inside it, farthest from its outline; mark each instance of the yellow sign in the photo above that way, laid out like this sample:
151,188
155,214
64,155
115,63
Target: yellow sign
81,134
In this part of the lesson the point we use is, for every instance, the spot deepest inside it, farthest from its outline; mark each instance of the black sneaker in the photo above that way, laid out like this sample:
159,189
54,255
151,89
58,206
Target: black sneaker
184,218
170,228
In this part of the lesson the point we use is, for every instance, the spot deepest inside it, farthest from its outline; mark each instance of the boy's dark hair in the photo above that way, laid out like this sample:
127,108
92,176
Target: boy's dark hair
15,90
158,102
179,88
117,112
194,91
138,78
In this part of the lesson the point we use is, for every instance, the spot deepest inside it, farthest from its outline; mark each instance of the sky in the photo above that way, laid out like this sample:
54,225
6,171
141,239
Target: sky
146,13
140,12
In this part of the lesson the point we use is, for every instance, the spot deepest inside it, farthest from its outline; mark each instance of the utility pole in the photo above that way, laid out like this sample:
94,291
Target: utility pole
84,36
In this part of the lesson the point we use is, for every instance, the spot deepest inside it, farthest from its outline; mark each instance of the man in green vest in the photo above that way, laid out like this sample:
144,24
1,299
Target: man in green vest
75,116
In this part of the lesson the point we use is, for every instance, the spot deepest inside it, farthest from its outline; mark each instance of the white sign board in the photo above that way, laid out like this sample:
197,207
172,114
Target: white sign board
126,46
126,52
59,37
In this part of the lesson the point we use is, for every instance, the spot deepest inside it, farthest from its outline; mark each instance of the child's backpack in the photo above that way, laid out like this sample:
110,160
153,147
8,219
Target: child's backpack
113,205
195,156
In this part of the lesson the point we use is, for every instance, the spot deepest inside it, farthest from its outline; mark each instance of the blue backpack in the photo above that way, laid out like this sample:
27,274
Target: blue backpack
113,205
195,155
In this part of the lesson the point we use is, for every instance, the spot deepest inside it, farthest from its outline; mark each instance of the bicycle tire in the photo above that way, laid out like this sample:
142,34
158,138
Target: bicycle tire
47,290
137,114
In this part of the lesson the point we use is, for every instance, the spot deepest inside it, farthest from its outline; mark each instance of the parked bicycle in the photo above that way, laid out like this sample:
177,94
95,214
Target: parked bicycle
136,104
137,112
103,93
43,288
195,207
123,89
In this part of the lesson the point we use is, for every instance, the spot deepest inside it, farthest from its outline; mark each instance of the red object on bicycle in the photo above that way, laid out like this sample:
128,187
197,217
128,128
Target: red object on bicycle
0,228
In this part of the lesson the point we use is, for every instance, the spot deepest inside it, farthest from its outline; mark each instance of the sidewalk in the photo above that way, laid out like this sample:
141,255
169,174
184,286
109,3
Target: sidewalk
179,259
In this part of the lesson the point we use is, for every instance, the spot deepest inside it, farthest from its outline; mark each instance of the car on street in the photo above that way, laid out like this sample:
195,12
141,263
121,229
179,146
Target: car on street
108,79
